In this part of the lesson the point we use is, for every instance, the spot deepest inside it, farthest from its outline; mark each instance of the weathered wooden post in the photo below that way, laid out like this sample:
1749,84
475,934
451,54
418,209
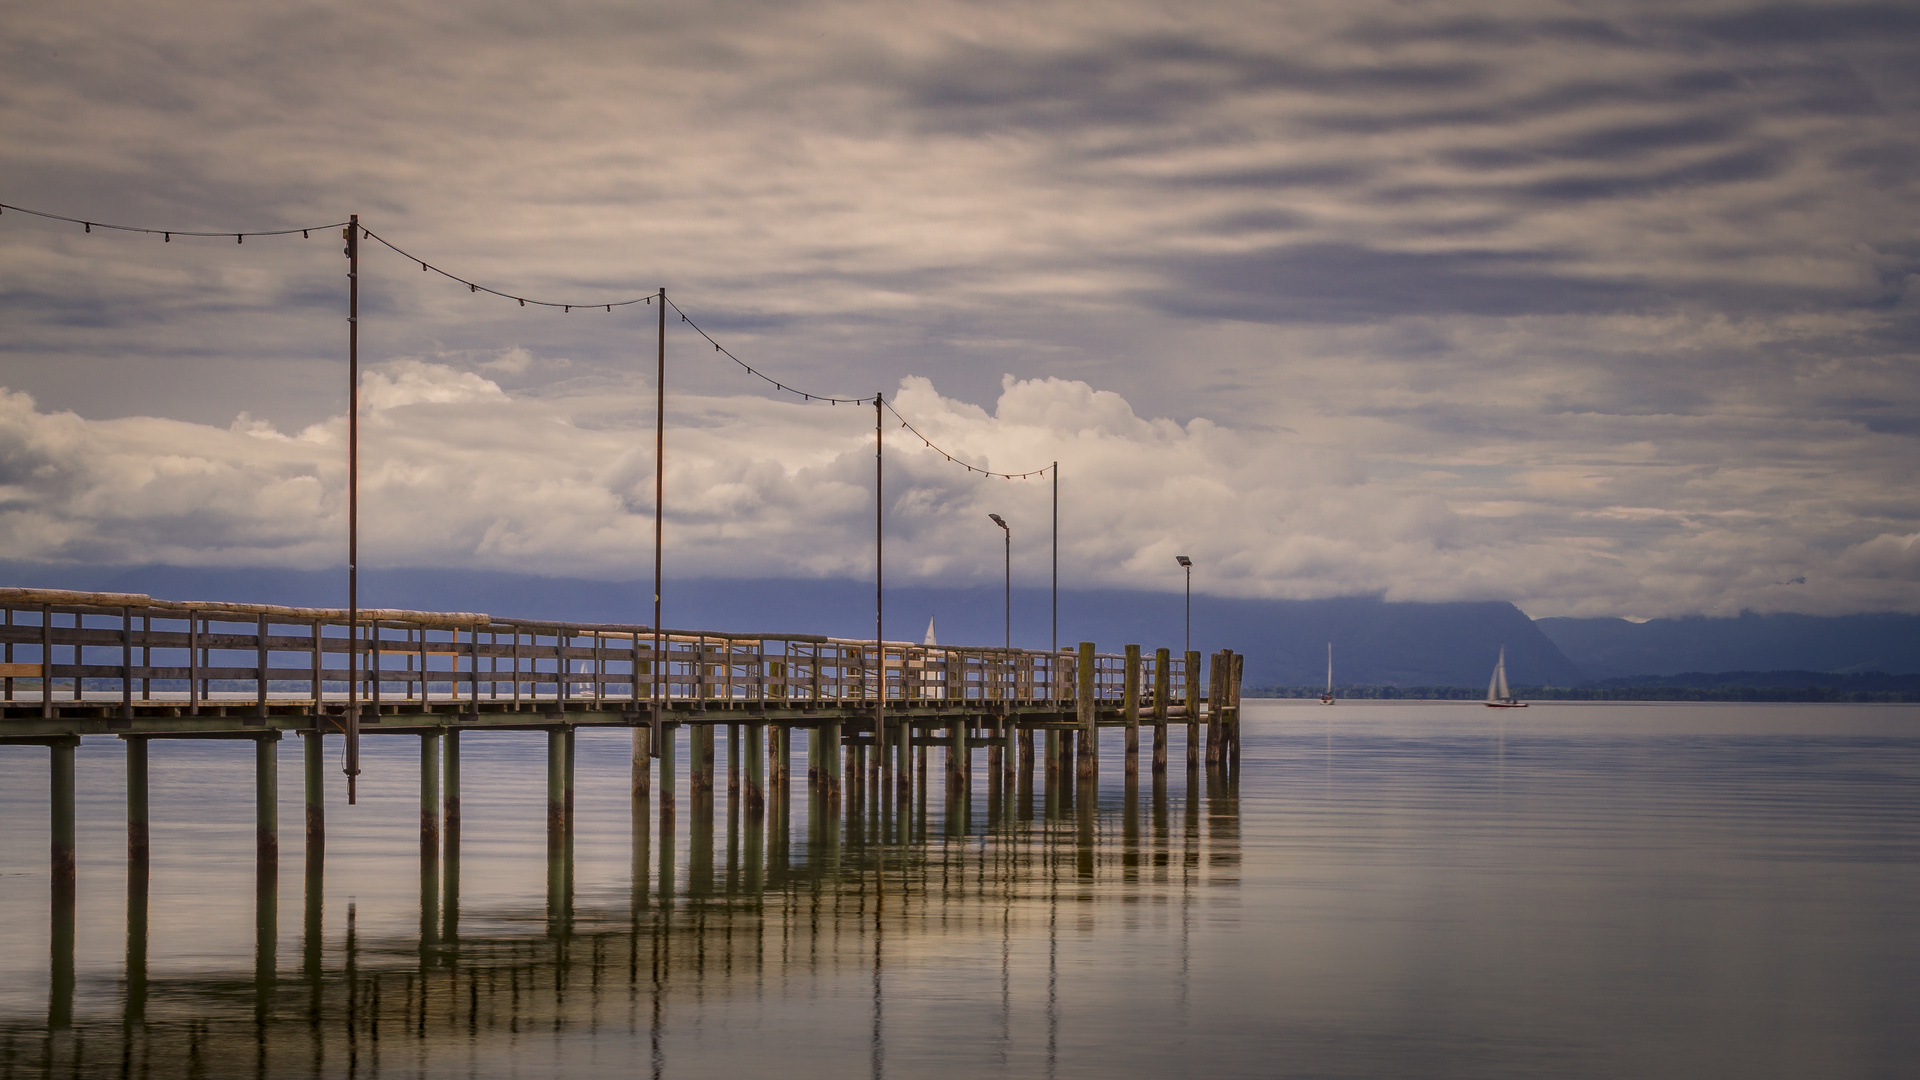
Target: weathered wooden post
314,759
1193,709
429,800
1130,708
1089,711
266,791
830,759
733,761
756,762
450,837
138,849
557,822
1162,686
65,891
957,753
700,778
1217,665
668,739
1233,695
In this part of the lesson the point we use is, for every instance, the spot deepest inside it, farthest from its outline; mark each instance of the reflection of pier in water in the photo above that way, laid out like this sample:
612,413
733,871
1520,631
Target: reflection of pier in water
873,870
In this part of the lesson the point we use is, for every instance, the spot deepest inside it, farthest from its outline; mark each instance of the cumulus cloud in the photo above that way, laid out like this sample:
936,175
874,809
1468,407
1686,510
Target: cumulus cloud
458,472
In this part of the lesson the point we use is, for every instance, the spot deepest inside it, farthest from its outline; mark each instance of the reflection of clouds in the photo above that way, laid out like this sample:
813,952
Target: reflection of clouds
1658,259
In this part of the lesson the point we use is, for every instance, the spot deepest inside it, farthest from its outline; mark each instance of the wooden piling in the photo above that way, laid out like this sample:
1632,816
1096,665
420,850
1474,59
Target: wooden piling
1193,709
830,759
957,754
1089,757
314,759
138,849
700,773
557,818
429,799
640,774
733,760
1162,686
266,796
756,770
450,836
669,741
1216,707
64,891
1130,708
1233,697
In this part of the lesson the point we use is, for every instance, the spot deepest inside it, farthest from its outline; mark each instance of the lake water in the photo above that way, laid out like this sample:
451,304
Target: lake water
1386,889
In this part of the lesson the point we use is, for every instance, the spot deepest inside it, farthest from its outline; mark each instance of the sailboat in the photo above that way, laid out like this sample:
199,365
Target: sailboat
1327,698
1498,696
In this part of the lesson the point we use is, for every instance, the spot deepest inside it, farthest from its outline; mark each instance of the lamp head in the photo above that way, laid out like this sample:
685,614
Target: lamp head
1000,521
1183,560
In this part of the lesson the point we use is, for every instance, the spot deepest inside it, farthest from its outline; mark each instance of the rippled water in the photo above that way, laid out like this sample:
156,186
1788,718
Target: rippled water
1382,890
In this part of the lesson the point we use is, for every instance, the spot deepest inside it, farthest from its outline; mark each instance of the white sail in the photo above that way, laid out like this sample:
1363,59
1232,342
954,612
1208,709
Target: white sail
930,640
1329,667
1501,670
1493,686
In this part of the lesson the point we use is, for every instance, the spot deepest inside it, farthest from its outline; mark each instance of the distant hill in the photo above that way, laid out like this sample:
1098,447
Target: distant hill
1613,648
1285,640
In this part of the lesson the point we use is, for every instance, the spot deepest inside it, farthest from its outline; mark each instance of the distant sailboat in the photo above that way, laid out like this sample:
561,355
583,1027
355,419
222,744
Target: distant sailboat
1498,695
1327,698
930,640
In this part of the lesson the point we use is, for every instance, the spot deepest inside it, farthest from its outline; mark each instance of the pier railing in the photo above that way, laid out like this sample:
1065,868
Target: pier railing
65,648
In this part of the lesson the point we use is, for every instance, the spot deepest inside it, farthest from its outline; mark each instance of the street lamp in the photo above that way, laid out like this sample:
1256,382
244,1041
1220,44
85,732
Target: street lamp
1005,528
1188,564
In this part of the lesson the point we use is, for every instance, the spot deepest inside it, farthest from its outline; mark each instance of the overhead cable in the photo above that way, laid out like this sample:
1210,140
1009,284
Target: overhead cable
169,234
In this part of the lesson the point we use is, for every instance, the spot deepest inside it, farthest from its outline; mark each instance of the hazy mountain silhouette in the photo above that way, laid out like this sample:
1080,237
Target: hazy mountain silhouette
1612,648
1284,640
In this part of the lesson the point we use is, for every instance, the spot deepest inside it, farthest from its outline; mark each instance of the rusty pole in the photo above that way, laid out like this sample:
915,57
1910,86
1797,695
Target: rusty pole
352,765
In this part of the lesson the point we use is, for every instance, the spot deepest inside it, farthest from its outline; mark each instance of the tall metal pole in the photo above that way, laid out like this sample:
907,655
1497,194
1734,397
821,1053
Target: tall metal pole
352,764
879,587
658,688
1188,646
1056,563
1009,531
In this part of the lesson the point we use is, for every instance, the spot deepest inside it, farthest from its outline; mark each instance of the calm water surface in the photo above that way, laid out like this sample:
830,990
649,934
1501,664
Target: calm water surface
1382,890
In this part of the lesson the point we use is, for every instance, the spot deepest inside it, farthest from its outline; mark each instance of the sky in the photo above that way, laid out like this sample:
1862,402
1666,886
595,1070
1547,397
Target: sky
1599,308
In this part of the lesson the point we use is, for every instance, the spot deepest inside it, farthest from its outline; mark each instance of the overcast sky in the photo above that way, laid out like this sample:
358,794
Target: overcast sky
1601,308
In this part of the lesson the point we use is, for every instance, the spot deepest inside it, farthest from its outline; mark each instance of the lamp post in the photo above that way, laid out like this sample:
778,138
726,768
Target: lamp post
1005,528
1188,565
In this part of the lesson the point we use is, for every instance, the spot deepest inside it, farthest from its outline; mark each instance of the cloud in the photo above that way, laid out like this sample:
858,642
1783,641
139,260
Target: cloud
1604,308
458,472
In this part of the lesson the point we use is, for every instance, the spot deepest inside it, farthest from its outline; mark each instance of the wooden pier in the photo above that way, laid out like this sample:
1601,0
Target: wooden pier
79,664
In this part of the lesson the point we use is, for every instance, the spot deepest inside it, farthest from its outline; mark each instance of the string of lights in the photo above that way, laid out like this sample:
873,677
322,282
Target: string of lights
565,306
761,375
169,234
474,286
931,445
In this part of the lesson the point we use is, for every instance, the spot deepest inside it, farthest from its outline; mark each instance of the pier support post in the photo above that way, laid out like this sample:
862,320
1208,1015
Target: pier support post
266,900
640,784
450,838
266,794
700,766
830,759
780,756
669,746
64,891
1193,709
733,761
138,850
1052,755
756,762
1216,707
958,754
1130,708
556,824
1162,686
429,801
313,758
1237,661
1089,757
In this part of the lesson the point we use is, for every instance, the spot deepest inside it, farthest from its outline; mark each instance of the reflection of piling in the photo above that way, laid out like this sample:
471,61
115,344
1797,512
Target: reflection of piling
313,879
429,841
669,743
700,846
733,760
